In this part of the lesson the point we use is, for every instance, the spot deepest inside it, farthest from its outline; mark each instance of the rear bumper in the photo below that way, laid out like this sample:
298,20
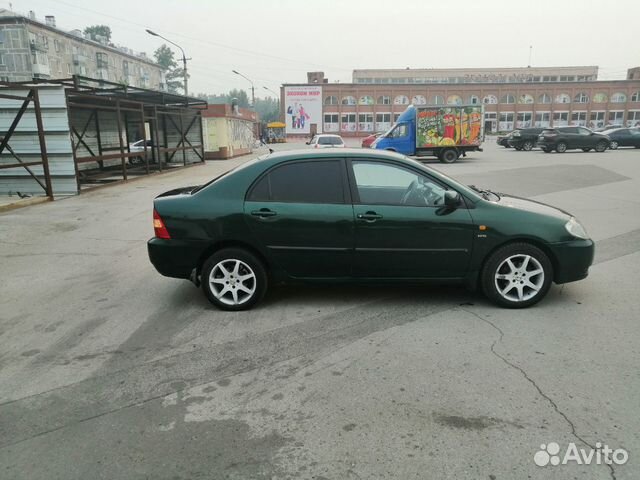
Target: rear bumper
174,258
573,260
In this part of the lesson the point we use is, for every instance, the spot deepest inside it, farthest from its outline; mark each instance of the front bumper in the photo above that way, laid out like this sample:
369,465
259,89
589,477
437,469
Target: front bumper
175,258
573,260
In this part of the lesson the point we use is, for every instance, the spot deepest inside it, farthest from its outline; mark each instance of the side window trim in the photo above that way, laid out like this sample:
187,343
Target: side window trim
344,185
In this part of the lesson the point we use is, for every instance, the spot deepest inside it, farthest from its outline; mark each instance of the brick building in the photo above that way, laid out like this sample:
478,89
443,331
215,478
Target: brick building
512,97
30,49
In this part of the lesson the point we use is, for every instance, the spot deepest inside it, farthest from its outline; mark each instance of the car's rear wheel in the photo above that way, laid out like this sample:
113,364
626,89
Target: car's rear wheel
601,147
527,146
450,155
613,145
234,279
517,275
561,147
586,149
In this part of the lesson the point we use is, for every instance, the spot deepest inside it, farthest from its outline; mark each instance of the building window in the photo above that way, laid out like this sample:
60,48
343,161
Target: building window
633,118
383,122
331,100
579,119
562,98
490,99
616,118
396,116
505,121
348,100
581,98
524,119
635,97
365,100
474,100
102,60
125,68
365,122
542,119
596,119
508,99
401,100
525,98
544,98
384,100
618,97
600,98
560,119
419,100
348,122
331,123
437,100
454,100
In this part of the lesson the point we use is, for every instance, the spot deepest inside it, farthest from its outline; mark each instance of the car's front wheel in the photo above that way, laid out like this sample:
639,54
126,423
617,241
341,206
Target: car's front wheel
601,147
234,279
517,275
561,147
527,146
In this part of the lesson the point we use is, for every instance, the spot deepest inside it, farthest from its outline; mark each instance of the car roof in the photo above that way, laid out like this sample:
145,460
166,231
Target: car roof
327,135
339,153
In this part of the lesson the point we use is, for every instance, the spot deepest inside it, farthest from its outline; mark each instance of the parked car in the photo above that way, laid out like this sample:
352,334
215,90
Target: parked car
367,141
360,216
623,137
503,140
524,139
562,139
326,141
609,126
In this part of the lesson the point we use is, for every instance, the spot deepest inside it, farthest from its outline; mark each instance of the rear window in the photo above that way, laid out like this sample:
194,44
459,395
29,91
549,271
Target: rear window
330,141
317,181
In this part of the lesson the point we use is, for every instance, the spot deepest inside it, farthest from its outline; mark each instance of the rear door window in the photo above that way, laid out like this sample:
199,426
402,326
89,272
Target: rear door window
316,181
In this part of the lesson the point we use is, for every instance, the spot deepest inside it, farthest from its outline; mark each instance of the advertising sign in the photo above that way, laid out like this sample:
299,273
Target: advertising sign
303,106
448,126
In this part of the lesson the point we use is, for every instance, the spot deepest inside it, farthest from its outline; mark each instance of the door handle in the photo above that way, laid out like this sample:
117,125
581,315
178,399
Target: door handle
369,216
263,213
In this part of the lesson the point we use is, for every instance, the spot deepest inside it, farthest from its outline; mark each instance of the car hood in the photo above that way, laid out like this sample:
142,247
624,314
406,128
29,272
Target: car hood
532,206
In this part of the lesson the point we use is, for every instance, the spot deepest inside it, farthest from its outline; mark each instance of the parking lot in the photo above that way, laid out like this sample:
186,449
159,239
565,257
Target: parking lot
108,370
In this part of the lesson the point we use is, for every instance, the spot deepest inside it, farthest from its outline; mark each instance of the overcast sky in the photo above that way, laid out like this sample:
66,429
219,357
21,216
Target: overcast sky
274,42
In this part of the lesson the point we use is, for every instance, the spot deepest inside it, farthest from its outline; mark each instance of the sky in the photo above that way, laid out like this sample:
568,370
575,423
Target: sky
278,41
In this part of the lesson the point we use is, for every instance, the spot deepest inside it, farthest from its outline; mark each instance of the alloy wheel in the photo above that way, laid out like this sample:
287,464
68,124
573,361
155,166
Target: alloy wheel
613,145
232,282
519,278
527,146
561,147
601,147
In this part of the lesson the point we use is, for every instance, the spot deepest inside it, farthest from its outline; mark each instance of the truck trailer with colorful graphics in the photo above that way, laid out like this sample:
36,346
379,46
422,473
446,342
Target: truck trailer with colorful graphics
443,131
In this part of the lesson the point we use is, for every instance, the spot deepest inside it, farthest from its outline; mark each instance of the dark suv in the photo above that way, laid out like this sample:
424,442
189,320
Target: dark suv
524,139
562,139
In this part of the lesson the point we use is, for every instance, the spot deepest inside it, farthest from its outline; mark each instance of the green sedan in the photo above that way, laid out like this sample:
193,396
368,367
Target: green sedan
360,216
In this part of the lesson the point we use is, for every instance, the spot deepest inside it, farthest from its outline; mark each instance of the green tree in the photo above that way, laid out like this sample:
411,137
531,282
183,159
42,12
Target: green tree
174,75
101,30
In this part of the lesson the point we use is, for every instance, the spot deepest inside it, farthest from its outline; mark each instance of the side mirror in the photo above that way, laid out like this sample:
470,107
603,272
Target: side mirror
308,143
452,198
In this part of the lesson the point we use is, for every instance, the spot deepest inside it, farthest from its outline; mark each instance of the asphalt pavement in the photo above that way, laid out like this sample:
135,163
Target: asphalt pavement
109,370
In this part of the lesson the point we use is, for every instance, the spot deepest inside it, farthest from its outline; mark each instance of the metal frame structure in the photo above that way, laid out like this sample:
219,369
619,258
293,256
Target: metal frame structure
161,111
32,96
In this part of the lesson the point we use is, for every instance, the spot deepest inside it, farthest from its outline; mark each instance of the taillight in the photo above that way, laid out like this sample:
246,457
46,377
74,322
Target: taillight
158,226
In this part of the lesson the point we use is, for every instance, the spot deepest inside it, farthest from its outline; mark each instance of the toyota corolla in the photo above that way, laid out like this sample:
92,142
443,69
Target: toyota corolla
360,216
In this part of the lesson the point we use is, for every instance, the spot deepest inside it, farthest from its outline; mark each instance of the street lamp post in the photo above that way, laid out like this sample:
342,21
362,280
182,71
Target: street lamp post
253,93
184,59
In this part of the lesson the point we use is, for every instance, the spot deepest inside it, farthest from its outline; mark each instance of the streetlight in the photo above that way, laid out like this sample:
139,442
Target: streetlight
184,58
253,93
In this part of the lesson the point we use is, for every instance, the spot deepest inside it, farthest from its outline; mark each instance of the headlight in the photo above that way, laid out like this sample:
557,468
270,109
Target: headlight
575,228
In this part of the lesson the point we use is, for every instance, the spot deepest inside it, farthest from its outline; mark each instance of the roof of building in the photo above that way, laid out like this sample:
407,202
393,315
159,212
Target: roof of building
8,16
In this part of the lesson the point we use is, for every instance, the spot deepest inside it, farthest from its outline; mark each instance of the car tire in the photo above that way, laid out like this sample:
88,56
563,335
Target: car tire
586,149
234,279
509,279
527,146
561,147
613,145
449,155
601,147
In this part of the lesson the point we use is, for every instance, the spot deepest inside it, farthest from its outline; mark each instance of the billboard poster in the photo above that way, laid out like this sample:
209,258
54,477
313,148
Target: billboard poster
444,126
303,106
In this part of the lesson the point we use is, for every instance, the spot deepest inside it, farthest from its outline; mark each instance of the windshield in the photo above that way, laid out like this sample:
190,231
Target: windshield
330,141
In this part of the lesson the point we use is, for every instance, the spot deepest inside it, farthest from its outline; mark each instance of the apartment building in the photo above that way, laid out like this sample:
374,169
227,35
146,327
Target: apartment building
32,49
